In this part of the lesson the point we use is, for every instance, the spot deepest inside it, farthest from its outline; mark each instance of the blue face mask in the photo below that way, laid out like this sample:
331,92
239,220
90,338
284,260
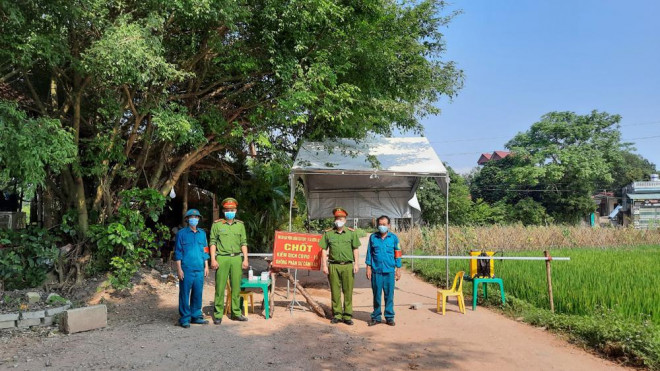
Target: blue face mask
193,222
230,215
382,228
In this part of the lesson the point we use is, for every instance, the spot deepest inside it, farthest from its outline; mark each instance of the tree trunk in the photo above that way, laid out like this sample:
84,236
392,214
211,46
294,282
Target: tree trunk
185,163
79,185
312,303
184,191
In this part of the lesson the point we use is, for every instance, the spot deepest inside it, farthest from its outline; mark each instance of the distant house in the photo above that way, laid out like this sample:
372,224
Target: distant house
606,202
641,203
497,155
485,157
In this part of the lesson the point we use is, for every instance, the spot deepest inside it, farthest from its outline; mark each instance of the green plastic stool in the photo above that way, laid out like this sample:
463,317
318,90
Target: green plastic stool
475,286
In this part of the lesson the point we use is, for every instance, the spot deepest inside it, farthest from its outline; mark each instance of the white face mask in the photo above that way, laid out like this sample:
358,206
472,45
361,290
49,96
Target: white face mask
339,223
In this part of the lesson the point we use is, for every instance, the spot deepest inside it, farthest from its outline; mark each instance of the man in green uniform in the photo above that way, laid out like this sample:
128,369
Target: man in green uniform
340,261
228,241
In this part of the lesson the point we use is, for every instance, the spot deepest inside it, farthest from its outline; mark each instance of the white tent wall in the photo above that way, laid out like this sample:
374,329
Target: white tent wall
363,196
360,205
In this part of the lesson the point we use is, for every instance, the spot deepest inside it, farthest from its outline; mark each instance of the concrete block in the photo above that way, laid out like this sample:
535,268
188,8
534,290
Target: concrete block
57,310
84,319
9,317
7,324
30,315
29,322
47,321
33,297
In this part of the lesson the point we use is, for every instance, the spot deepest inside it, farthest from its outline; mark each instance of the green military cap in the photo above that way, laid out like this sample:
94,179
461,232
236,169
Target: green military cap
229,203
338,211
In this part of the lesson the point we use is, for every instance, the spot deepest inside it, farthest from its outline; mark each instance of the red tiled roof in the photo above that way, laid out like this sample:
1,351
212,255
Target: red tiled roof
485,157
500,154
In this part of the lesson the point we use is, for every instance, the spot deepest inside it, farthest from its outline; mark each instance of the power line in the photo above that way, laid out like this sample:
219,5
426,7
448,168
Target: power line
502,137
480,152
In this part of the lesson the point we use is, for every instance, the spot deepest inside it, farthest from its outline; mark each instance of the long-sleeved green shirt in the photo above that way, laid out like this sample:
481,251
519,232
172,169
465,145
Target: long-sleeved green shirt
228,238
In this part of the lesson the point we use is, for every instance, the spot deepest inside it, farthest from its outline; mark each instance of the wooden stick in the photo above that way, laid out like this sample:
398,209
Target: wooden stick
548,272
312,303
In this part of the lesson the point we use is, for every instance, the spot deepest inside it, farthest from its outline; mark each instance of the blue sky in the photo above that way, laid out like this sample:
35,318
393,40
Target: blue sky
522,59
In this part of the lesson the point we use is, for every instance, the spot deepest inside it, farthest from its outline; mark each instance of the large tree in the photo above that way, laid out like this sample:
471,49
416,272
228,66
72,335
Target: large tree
150,89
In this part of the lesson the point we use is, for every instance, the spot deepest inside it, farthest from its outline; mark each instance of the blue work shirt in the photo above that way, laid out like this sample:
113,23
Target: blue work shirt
191,249
380,253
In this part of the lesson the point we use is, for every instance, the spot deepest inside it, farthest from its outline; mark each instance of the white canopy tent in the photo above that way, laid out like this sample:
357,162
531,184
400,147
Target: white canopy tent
369,178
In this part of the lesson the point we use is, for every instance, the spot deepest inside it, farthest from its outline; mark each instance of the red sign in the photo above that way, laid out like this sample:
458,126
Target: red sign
297,251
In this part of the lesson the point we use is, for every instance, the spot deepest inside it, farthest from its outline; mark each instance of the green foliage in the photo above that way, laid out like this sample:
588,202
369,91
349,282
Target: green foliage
131,52
176,81
529,212
433,201
175,125
263,197
127,242
462,209
27,257
56,299
631,168
29,148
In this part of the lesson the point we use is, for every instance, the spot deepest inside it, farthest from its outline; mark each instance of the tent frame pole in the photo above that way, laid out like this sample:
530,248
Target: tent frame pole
294,301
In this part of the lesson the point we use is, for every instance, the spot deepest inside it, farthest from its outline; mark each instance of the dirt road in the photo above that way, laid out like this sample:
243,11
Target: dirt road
142,335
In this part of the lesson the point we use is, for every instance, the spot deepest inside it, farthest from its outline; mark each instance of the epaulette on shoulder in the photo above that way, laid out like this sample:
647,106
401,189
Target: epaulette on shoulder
238,221
328,230
220,221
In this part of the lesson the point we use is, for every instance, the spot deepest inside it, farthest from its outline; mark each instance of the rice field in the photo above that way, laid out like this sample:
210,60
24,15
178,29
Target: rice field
624,280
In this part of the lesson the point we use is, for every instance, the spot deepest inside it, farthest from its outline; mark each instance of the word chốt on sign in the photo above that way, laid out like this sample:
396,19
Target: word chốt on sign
297,250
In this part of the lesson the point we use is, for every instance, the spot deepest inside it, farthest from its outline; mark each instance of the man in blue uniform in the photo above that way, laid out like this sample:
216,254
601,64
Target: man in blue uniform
191,253
383,268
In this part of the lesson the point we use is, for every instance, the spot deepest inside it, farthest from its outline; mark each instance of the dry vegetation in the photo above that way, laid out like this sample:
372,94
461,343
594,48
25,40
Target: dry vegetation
521,238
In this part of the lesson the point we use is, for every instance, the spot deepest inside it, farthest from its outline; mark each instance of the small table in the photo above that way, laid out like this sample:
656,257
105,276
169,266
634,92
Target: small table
475,287
259,284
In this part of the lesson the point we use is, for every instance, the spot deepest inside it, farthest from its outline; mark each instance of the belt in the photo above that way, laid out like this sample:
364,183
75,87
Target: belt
340,263
235,254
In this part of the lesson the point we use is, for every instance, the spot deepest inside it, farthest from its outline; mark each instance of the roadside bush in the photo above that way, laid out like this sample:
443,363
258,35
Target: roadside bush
26,257
127,241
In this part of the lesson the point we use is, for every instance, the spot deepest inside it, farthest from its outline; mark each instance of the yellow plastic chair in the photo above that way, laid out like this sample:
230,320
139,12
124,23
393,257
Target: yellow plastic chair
245,295
458,292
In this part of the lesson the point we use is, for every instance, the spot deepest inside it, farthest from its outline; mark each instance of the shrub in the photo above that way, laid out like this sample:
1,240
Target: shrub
26,257
126,242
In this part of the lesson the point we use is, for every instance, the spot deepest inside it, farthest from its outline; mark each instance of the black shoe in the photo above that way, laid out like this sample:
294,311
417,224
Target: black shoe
374,323
200,321
217,321
348,322
335,321
186,325
391,322
240,318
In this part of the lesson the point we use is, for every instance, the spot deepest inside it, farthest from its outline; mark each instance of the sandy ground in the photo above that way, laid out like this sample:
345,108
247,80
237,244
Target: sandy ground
142,334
